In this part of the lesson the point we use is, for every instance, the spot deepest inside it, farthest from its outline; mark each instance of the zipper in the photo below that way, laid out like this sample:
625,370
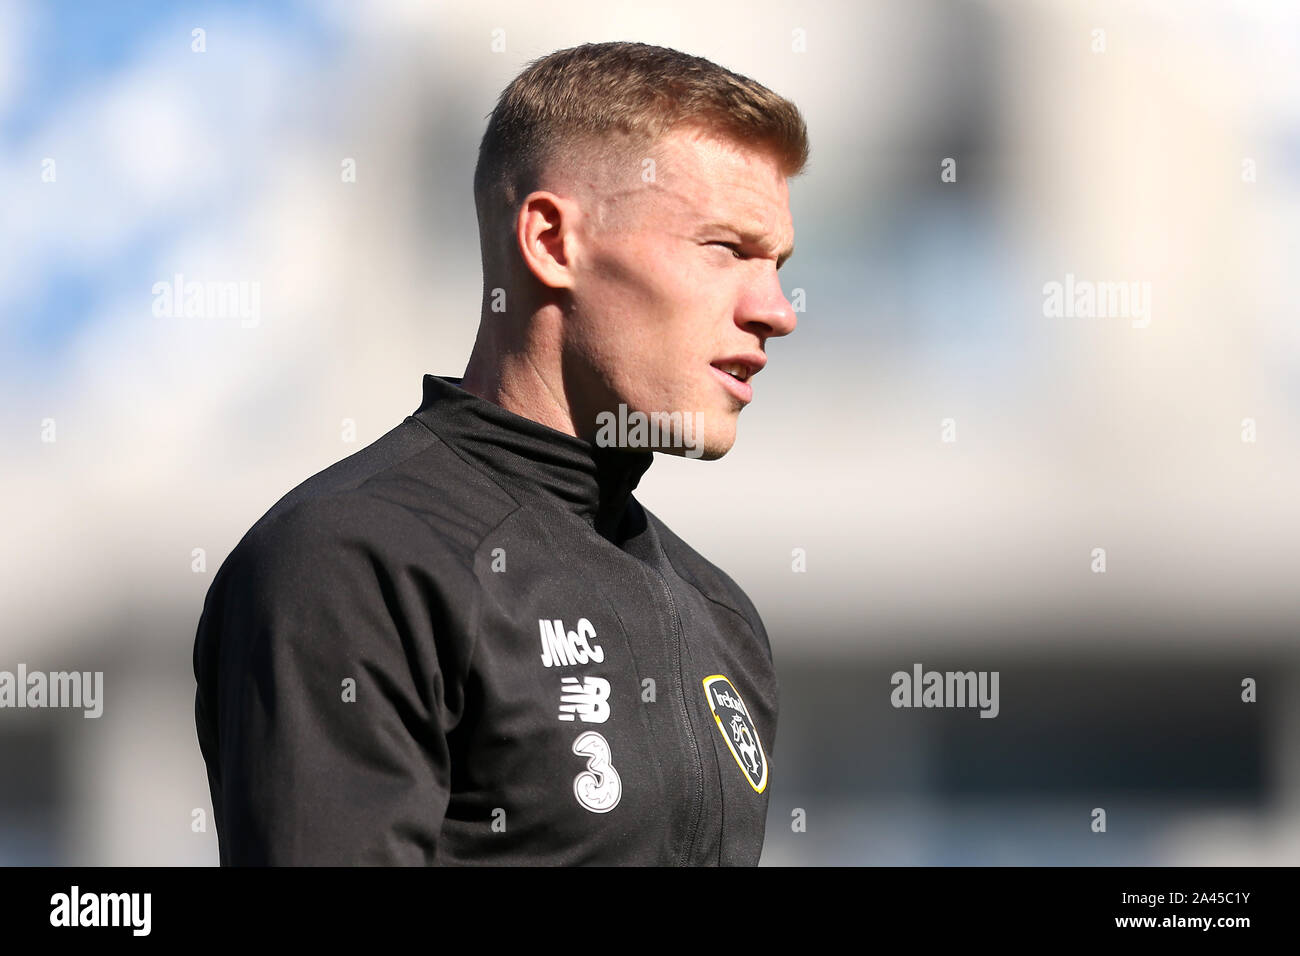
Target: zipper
686,719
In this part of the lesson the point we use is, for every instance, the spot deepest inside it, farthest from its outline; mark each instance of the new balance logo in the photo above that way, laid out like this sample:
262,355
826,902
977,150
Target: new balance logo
562,648
587,698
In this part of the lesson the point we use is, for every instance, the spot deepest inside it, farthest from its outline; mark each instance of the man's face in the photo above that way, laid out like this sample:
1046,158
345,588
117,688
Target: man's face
675,286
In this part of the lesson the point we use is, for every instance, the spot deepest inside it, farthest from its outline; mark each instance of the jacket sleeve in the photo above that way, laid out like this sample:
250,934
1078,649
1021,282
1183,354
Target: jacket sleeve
319,680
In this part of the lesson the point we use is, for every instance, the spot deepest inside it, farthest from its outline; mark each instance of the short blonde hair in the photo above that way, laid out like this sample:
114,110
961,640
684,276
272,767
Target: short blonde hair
599,99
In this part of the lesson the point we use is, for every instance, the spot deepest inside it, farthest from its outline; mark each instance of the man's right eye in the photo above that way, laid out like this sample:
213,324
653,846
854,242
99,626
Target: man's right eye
734,247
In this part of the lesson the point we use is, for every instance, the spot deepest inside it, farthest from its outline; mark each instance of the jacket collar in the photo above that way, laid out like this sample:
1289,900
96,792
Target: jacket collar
534,459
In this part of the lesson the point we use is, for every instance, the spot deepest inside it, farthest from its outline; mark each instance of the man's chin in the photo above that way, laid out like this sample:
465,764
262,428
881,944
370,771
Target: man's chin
709,447
712,443
685,434
713,454
699,452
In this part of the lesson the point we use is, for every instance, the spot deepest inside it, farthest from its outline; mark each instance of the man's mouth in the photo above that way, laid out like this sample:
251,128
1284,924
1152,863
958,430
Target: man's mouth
735,372
735,369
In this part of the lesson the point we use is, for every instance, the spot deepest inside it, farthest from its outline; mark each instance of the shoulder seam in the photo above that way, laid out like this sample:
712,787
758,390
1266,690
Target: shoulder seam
469,464
518,506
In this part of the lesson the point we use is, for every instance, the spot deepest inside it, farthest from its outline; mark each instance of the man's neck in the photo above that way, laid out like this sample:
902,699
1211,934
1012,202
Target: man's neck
519,383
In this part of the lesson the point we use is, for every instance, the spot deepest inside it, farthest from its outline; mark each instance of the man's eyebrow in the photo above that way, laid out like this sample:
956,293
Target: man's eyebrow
750,237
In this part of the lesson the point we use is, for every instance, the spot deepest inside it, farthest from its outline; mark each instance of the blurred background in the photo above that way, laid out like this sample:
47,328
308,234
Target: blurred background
1112,142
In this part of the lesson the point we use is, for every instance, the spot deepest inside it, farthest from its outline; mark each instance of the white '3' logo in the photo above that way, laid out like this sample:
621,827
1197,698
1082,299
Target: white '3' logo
598,787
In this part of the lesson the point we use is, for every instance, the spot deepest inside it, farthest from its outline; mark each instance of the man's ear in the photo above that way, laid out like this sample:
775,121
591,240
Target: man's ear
546,238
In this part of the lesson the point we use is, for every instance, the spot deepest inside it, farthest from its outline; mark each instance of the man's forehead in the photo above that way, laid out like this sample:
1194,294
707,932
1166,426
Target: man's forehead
719,172
722,184
697,182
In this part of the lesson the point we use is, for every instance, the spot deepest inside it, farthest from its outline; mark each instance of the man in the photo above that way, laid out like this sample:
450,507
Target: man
469,642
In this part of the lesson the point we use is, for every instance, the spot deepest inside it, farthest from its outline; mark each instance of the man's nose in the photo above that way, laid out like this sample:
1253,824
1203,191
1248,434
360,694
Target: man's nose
765,310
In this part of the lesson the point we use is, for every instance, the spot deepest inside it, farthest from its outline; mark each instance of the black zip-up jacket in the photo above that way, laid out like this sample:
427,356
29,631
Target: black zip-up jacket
469,643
